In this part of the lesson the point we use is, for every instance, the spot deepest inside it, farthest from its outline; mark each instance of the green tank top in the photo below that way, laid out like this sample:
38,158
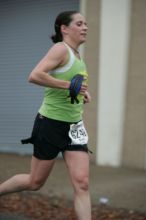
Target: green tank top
56,103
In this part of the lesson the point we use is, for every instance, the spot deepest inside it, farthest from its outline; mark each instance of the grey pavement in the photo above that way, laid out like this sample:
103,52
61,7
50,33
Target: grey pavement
120,187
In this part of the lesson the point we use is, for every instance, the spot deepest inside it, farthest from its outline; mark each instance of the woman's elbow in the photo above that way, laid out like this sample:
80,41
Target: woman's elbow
31,78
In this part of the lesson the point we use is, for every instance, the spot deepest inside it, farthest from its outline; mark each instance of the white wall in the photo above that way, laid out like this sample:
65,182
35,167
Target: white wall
114,40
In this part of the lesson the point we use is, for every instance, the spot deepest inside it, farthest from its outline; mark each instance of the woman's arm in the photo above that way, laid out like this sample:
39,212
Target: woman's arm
56,56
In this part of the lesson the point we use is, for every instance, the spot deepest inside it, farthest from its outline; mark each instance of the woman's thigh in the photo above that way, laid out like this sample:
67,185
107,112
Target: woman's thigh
40,169
78,166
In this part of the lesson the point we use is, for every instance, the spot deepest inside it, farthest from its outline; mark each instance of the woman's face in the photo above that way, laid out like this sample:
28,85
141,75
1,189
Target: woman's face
77,29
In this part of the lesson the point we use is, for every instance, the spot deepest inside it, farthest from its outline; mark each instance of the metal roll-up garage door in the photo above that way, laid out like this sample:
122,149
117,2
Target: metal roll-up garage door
25,27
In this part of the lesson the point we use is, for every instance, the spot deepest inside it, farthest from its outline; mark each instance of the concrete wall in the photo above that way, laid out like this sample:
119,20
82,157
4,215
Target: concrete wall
133,150
134,142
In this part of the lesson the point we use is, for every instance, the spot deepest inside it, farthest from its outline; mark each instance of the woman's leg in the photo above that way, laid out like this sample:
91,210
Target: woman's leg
40,170
78,166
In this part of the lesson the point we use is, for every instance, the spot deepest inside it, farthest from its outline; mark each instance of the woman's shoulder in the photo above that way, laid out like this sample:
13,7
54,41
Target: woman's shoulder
58,53
59,48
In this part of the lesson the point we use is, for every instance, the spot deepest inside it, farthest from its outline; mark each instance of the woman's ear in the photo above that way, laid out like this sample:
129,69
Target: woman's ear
64,29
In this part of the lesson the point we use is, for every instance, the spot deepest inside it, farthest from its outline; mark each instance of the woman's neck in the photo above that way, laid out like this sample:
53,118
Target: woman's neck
73,46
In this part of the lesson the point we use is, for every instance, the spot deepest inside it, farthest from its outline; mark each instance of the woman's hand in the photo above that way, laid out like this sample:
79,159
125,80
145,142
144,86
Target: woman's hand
85,93
87,97
83,89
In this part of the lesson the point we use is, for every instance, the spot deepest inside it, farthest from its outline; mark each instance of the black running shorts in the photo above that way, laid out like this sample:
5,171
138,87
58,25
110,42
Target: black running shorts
49,137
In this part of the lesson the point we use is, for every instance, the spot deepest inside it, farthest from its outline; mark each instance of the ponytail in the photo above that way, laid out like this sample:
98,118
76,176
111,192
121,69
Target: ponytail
58,36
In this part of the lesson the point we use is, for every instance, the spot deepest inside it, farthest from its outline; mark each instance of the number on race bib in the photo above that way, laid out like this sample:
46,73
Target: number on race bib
78,134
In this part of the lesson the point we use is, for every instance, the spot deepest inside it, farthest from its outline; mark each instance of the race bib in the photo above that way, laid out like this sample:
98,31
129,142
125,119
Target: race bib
78,134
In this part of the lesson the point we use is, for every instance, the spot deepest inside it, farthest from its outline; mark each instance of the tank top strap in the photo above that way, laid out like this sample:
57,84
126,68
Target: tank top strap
68,65
71,54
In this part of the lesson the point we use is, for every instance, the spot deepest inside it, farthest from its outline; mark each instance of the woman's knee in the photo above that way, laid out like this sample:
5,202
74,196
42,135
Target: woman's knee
81,183
35,185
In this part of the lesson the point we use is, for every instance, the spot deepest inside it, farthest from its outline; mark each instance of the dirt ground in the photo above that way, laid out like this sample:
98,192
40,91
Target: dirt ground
123,190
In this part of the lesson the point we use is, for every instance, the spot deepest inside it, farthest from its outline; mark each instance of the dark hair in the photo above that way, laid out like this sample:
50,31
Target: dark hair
63,18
